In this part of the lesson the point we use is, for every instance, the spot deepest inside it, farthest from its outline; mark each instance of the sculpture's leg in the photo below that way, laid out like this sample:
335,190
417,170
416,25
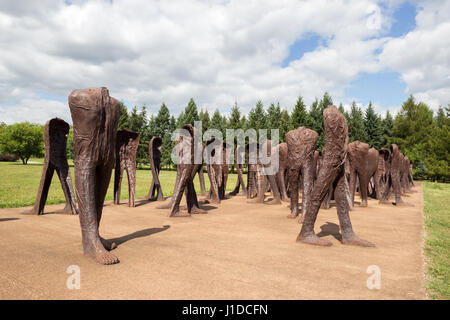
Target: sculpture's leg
293,187
397,189
326,201
118,175
41,198
261,186
325,178
91,188
66,184
348,236
191,199
241,180
201,178
213,191
386,190
376,182
353,185
184,175
308,182
224,182
282,184
363,187
273,186
131,174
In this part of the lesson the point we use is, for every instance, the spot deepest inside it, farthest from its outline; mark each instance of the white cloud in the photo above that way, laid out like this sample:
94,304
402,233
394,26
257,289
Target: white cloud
215,51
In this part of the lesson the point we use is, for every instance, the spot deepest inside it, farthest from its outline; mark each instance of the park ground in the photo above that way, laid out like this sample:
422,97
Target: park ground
237,250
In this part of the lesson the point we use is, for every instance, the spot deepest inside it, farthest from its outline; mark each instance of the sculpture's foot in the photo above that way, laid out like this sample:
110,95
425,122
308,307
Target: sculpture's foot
242,193
353,240
403,204
167,205
324,206
384,202
180,213
256,200
285,199
215,201
109,245
364,203
232,193
273,201
314,240
100,254
292,215
66,210
29,212
197,210
301,219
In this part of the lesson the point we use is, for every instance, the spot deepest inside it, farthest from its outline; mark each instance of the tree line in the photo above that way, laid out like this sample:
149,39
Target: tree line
421,134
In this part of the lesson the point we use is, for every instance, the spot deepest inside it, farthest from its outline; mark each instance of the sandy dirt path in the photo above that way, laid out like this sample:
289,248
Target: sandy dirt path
238,250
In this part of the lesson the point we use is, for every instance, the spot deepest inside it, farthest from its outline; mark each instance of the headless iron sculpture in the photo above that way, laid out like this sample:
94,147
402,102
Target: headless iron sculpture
186,169
126,146
55,143
331,171
154,151
95,118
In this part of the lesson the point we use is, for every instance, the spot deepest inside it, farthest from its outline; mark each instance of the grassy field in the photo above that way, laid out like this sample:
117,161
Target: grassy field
437,231
19,184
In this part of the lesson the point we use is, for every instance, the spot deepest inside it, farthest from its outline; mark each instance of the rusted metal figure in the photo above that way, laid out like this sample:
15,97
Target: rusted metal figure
331,171
301,145
154,151
217,169
55,158
186,169
126,147
95,117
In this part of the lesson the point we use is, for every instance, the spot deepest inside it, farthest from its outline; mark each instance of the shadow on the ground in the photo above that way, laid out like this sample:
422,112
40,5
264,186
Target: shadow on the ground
138,234
330,229
8,219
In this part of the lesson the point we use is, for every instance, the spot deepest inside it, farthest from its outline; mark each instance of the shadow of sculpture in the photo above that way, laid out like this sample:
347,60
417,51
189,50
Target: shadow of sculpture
138,234
330,229
8,219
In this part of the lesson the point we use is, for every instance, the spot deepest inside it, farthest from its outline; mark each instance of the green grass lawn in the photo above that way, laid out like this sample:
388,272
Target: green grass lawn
437,235
19,184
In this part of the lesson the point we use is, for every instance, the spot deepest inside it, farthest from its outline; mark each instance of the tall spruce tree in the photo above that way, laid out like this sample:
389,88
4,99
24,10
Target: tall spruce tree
285,125
356,127
273,118
123,117
299,116
190,113
257,118
206,121
374,127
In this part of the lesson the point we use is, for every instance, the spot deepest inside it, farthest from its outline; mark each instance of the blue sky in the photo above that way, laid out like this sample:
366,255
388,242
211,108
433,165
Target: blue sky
386,87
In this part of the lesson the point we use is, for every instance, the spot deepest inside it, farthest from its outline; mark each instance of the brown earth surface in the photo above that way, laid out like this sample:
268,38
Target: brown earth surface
238,250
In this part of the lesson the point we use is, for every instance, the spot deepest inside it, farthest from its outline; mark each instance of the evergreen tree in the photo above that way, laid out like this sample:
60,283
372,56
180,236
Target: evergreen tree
316,122
257,118
168,144
388,123
356,127
161,121
299,116
374,128
273,118
180,120
341,108
190,113
285,125
123,118
206,121
218,123
235,120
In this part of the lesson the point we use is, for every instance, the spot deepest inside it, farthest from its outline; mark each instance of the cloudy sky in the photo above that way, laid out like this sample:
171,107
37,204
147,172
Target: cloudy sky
219,52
